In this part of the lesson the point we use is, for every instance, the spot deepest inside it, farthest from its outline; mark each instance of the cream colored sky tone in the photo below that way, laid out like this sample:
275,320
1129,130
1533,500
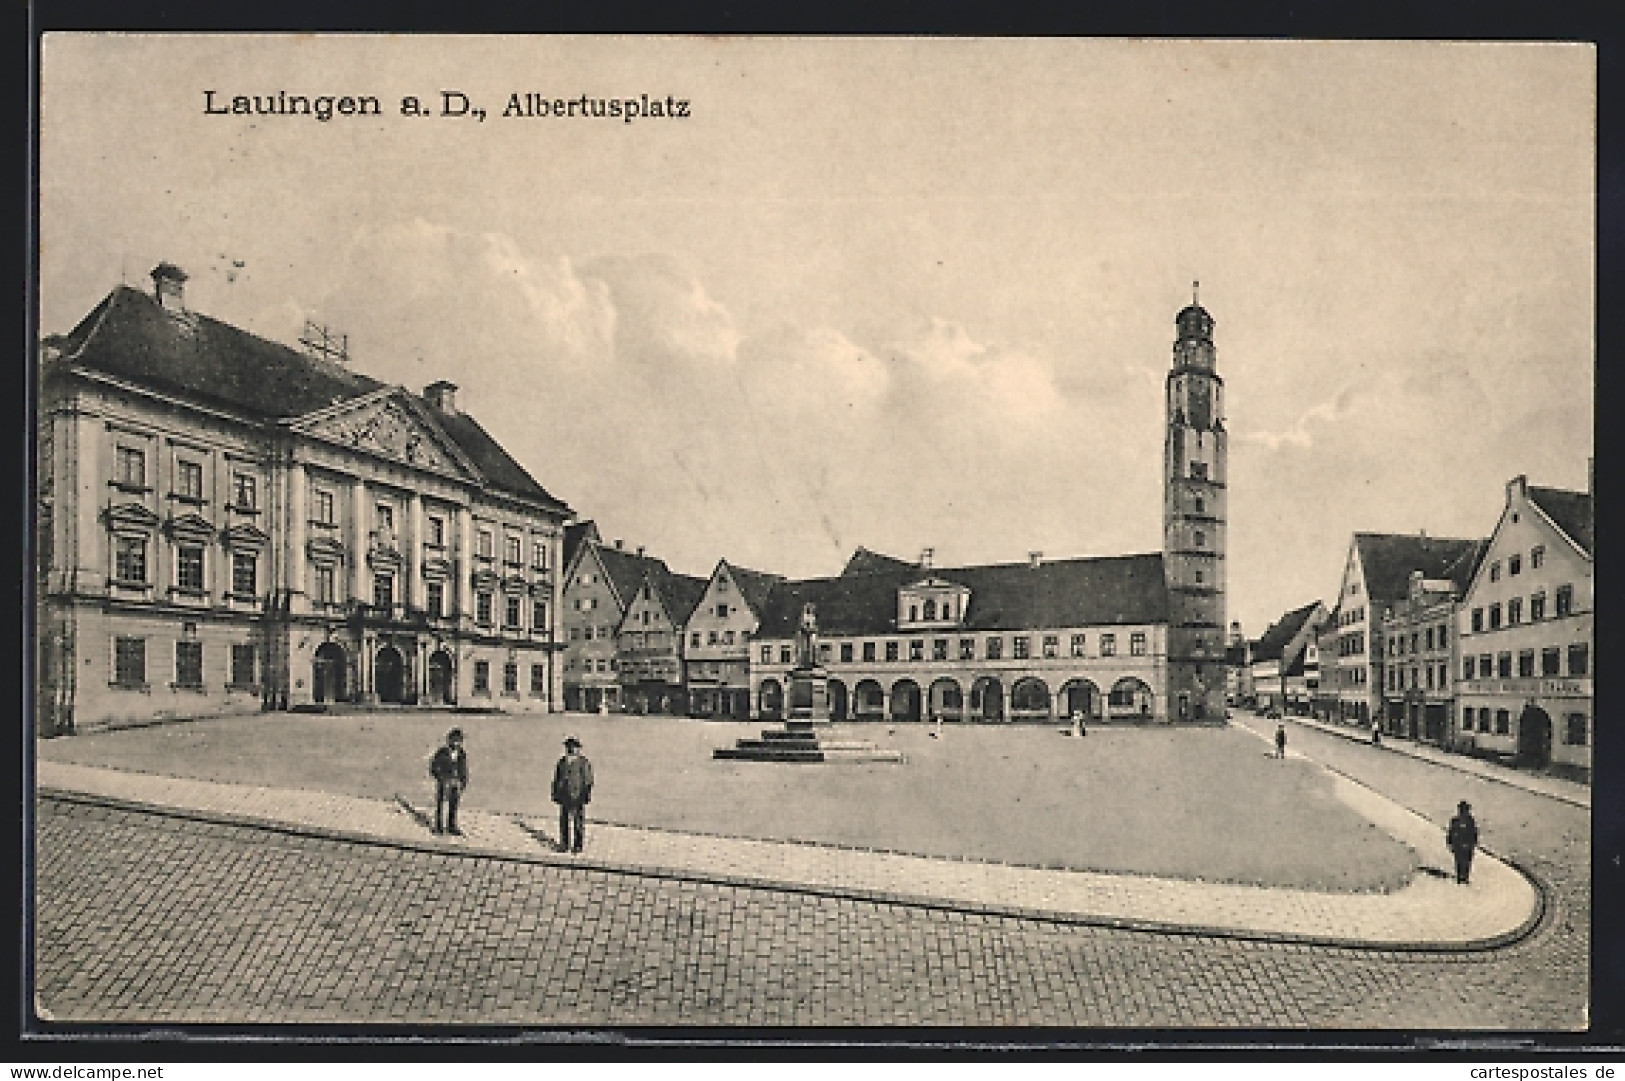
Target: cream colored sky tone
890,292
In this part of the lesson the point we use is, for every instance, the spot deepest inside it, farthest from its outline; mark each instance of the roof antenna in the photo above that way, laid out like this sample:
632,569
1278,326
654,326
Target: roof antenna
1196,294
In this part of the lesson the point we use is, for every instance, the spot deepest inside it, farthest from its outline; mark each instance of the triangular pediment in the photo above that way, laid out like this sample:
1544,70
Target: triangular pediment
131,516
191,527
390,424
245,536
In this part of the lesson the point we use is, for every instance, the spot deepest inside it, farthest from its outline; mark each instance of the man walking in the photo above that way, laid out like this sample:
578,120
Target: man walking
1462,837
572,791
449,768
1280,741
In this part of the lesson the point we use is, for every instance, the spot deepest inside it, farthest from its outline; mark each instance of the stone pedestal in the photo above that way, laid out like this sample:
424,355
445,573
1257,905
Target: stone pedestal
807,698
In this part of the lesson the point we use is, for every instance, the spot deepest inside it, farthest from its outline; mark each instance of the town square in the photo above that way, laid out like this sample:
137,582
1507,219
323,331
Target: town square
923,572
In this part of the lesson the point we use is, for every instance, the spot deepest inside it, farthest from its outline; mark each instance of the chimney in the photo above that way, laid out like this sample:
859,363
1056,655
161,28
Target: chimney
1035,559
640,551
620,545
925,558
443,396
1423,533
1235,632
169,286
1517,486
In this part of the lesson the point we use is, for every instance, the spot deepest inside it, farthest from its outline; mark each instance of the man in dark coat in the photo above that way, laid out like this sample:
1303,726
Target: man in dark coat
449,768
1462,837
1280,741
572,791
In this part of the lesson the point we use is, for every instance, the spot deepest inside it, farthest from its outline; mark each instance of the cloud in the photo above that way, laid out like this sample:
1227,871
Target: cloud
1301,434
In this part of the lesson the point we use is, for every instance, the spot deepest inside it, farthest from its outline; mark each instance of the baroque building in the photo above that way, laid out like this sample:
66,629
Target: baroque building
229,524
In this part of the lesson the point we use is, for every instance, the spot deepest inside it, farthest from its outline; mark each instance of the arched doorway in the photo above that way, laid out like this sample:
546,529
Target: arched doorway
987,699
868,701
772,700
946,700
1081,696
837,700
1029,700
1534,738
327,673
1130,697
905,700
440,681
388,675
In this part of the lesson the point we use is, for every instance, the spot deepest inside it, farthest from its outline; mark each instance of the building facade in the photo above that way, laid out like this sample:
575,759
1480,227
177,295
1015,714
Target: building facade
716,653
599,585
1280,660
649,644
1525,628
1418,636
228,524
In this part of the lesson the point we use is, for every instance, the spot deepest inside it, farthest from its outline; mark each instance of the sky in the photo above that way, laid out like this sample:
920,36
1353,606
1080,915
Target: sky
891,293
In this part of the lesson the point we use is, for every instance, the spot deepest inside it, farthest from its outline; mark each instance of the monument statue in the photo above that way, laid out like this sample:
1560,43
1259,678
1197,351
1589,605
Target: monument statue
807,637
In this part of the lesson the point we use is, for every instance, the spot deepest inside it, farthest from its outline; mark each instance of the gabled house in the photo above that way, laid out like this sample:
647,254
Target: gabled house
599,586
650,639
716,650
1280,656
1525,632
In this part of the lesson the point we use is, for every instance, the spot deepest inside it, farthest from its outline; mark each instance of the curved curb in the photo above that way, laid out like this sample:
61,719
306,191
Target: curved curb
875,896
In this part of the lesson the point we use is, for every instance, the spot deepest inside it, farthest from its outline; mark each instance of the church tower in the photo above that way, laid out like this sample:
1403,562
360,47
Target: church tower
1193,520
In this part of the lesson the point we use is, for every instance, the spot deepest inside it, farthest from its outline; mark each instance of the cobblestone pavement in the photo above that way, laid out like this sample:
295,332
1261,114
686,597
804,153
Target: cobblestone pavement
151,918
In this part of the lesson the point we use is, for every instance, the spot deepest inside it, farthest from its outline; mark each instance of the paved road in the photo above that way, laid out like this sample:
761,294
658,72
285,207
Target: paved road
146,917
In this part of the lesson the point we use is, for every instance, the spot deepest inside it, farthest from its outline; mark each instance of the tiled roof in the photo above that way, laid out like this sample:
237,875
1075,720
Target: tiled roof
1572,511
1389,559
131,337
754,586
575,535
864,561
1005,596
1280,634
628,569
679,593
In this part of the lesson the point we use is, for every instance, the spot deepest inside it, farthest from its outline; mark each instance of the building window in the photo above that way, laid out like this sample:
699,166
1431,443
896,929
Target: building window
891,651
1579,659
482,677
324,507
1441,639
710,638
868,651
1565,600
1136,643
1537,556
482,609
939,649
1077,645
513,551
538,615
244,491
1514,611
1483,720
383,591
189,664
722,611
1495,616
1503,665
575,633
1503,722
244,573
130,662
1526,664
1514,564
130,560
510,678
1551,661
846,652
1467,718
767,654
510,612
1108,645
437,531
823,653
1485,666
324,584
930,609
385,516
131,468
1478,620
1574,732
784,653
1430,677
538,555
1414,638
484,549
189,567
1201,539
1428,640
967,649
1537,607
189,481
1021,647
1201,505
434,599
913,613
1467,668
994,649
242,664
1199,471
538,679
1495,571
